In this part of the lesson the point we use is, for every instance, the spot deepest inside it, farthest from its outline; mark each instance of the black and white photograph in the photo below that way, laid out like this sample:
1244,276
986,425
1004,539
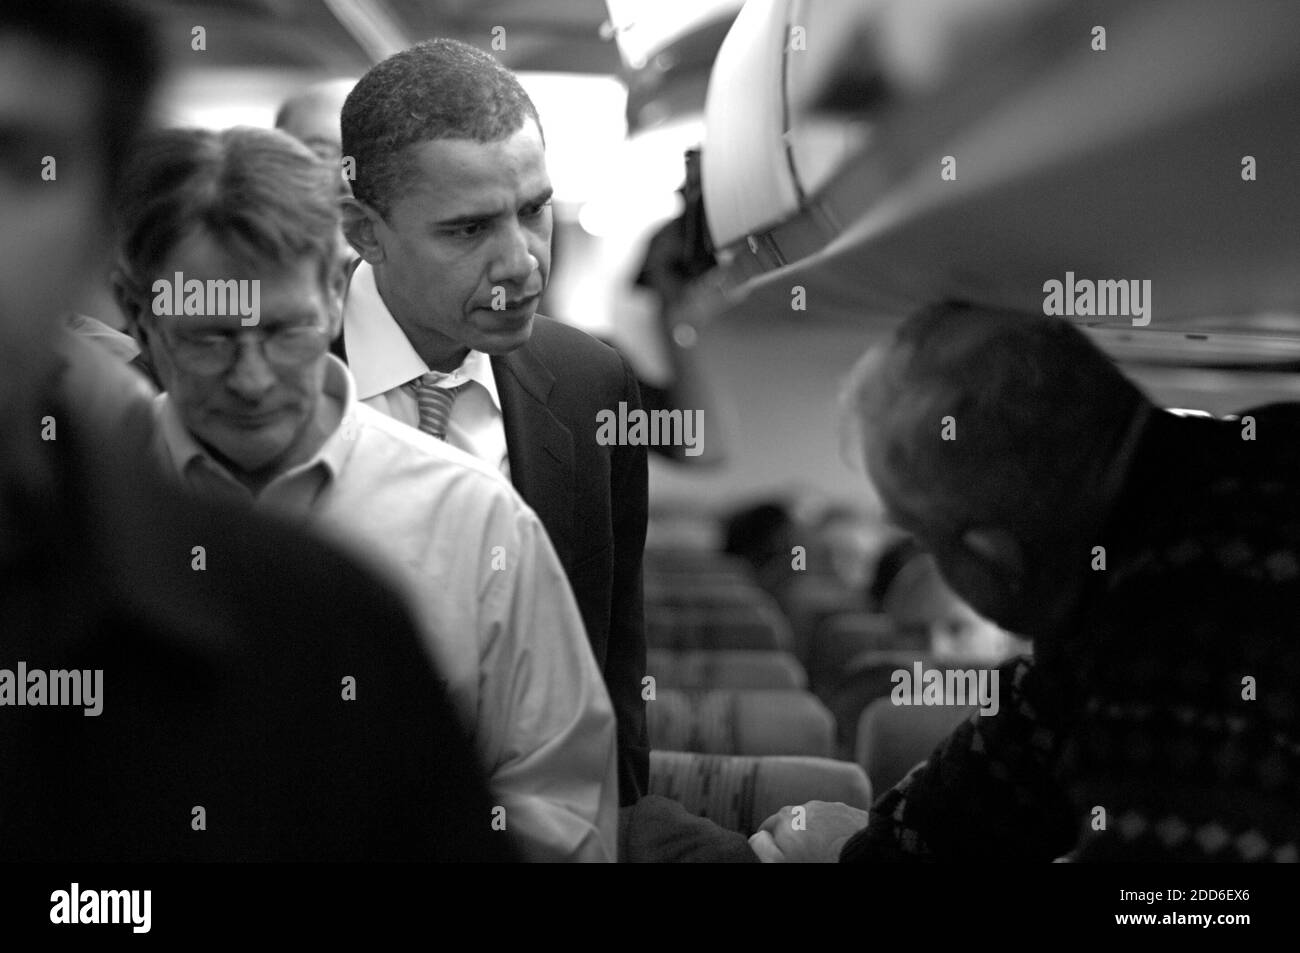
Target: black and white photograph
448,433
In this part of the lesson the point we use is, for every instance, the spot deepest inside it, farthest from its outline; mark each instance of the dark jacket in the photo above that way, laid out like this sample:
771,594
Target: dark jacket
223,685
592,501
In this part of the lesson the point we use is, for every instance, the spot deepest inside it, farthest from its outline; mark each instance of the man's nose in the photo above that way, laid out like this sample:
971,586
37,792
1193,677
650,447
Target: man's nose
515,261
251,376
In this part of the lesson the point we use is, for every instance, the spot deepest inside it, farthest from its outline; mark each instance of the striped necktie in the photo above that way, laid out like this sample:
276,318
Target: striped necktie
435,403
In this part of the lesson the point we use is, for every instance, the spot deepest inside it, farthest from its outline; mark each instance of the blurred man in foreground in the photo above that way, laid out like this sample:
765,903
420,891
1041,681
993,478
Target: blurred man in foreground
216,646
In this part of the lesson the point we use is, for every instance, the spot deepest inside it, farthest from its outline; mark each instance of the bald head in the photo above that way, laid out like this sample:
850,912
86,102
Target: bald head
312,116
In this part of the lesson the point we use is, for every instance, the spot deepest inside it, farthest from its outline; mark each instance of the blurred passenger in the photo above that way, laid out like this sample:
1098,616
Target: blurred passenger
1155,561
848,537
928,615
312,117
793,560
452,216
210,645
265,415
764,535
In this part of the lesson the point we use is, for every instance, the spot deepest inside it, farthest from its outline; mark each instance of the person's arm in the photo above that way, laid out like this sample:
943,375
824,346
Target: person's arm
625,661
986,793
546,726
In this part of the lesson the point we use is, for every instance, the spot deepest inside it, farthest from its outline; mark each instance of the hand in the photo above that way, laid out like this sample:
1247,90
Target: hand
815,832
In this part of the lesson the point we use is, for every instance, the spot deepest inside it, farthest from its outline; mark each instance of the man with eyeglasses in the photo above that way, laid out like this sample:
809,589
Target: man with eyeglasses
259,411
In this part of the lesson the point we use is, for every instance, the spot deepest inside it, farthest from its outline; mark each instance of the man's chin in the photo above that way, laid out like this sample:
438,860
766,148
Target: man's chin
248,458
503,340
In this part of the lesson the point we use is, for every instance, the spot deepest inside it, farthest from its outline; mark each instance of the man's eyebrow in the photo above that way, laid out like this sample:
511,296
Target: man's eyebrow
287,318
474,218
471,218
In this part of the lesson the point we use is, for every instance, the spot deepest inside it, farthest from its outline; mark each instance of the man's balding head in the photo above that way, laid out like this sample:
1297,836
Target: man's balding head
312,116
999,439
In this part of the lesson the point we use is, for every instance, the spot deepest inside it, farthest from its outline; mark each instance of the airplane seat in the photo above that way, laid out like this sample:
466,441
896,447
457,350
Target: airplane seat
683,590
686,560
741,721
844,637
808,600
739,792
753,627
870,675
893,739
694,670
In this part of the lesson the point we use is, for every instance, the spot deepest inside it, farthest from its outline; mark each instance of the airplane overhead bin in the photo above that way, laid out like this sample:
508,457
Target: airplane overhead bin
889,153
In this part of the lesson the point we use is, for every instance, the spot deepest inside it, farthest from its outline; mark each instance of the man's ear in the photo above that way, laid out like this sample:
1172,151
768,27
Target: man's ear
123,295
131,306
1000,551
361,225
337,287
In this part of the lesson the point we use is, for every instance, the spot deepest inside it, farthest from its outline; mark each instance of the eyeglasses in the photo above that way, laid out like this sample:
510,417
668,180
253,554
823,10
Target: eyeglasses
214,353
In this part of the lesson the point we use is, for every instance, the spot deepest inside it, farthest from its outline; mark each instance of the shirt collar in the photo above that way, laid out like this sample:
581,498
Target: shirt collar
381,357
185,452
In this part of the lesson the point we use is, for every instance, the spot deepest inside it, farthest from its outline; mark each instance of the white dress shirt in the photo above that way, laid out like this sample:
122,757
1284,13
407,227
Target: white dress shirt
385,365
489,593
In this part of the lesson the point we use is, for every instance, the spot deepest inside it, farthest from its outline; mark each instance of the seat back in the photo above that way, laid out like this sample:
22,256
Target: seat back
867,677
698,669
893,739
728,721
758,626
712,590
739,793
842,638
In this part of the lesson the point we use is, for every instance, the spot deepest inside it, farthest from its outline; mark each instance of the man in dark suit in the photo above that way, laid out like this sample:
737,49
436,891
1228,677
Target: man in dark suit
451,216
226,688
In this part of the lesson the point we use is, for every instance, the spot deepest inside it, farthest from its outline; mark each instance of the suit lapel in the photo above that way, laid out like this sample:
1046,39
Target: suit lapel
540,447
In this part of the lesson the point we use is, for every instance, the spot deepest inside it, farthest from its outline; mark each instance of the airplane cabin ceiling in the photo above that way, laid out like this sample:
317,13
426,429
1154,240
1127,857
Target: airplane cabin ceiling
1122,164
558,35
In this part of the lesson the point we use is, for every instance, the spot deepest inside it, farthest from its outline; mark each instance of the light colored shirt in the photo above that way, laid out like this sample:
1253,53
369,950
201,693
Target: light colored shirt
118,343
490,596
386,366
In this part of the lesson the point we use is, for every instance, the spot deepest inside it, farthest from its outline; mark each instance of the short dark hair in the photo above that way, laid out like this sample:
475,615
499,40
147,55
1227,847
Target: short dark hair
117,41
759,531
261,194
439,89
